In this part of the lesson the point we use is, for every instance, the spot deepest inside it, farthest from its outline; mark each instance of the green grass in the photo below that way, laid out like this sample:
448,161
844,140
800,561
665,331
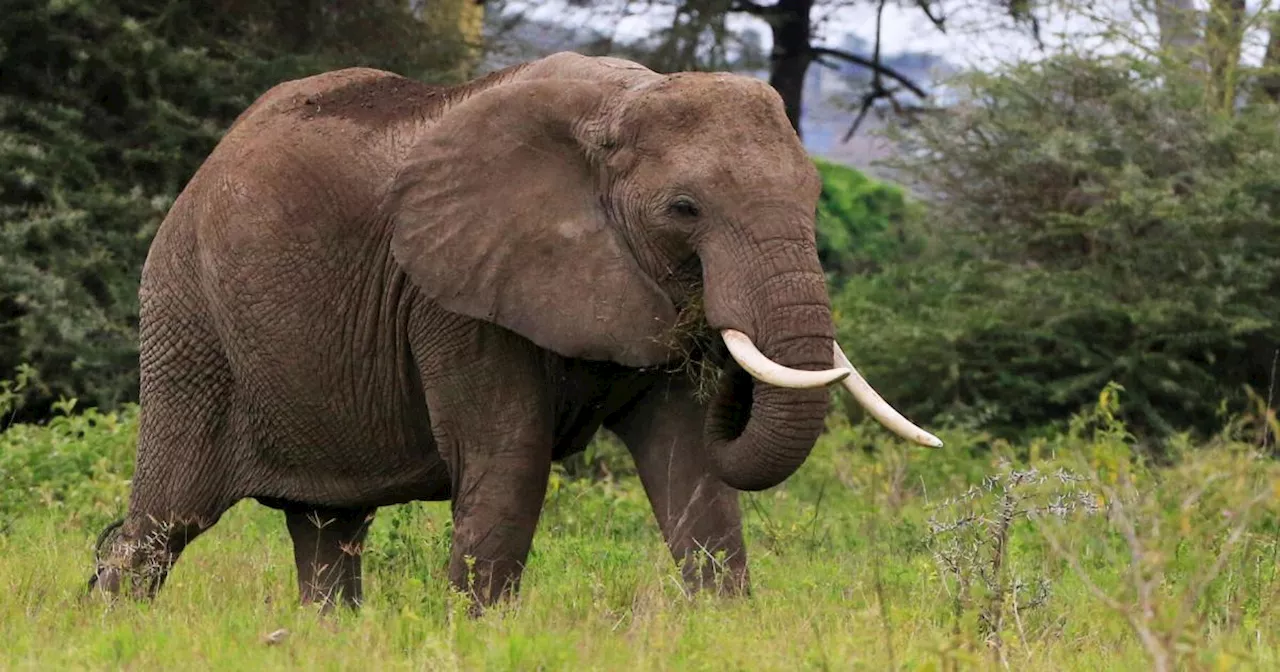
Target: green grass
850,568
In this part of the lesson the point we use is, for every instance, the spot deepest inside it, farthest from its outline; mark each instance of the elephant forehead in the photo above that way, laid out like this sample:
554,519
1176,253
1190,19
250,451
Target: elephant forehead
708,102
743,161
710,124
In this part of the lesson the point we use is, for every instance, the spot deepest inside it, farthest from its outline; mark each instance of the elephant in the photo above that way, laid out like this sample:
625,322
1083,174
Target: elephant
376,291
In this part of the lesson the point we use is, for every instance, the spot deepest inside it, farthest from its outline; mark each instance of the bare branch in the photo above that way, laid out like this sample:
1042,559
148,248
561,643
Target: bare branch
938,22
891,73
878,72
752,8
863,109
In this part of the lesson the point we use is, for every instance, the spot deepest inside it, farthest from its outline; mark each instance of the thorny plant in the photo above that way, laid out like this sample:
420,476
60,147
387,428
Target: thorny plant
969,538
1220,506
1212,504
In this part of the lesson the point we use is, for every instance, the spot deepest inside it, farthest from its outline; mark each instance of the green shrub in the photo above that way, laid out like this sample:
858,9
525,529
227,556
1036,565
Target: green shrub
77,463
862,223
107,107
1094,222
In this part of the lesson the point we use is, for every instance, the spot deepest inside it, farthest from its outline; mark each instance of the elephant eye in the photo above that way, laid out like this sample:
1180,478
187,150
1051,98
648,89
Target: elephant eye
684,206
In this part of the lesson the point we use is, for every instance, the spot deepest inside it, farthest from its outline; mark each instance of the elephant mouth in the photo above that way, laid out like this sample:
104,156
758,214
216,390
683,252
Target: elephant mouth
725,365
734,396
698,351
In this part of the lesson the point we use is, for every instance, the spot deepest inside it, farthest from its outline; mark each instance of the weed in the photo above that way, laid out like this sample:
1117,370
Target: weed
970,536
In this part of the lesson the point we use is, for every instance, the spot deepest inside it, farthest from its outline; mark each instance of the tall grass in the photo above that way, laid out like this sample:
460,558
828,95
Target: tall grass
1070,553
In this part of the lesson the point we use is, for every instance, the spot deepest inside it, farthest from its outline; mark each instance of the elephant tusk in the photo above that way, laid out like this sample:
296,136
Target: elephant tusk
879,408
766,370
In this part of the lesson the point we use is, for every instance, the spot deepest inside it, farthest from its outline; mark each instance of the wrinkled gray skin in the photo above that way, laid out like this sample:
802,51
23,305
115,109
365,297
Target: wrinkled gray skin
375,291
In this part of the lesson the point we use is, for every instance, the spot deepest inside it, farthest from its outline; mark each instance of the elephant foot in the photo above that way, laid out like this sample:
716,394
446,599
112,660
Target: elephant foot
485,583
135,555
720,574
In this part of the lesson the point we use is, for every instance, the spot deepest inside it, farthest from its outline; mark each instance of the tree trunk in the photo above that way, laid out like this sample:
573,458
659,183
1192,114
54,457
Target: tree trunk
790,58
1179,32
1269,80
1224,33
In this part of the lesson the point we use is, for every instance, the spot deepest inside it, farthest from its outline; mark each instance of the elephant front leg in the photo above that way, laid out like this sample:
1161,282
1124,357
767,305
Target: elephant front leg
491,416
697,512
495,513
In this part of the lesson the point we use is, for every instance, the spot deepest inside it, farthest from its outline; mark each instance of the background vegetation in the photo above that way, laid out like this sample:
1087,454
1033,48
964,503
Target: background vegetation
1071,552
107,107
1101,223
1077,287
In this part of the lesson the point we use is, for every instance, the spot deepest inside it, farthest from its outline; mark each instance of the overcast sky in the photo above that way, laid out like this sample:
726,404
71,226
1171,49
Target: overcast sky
978,35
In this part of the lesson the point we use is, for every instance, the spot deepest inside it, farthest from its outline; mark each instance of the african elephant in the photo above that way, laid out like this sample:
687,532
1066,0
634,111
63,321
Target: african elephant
375,291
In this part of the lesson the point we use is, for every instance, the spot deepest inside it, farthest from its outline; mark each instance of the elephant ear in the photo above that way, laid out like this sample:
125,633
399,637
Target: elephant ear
498,215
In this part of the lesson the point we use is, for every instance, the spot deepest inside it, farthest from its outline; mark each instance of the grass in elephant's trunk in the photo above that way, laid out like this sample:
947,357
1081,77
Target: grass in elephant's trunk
699,347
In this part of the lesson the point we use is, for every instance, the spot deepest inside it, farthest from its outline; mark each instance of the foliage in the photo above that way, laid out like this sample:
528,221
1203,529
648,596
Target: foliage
702,35
862,223
77,466
1094,222
107,107
844,567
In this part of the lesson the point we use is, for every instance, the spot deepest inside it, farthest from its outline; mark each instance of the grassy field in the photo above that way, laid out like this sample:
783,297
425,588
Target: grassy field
1069,553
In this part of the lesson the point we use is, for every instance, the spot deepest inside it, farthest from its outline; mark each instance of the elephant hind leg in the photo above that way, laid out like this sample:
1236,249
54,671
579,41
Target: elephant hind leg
135,555
190,464
327,545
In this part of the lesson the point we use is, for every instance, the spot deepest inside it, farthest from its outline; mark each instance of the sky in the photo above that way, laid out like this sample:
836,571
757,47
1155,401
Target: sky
978,34
903,29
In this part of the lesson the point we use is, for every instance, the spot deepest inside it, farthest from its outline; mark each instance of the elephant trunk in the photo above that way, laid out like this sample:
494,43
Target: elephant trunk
772,290
758,434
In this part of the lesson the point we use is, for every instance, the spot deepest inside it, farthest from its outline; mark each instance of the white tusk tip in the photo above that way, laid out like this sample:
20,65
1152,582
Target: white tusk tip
879,408
930,441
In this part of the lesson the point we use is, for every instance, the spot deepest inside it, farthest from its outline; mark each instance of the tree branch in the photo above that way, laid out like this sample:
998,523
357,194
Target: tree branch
938,22
753,8
873,66
879,71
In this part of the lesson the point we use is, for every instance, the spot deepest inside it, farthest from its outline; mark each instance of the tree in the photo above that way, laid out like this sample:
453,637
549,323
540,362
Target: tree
1095,221
1269,76
698,37
107,107
1224,36
1176,21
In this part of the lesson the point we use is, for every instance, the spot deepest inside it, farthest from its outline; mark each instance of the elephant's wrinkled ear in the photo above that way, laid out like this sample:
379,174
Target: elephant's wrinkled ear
498,216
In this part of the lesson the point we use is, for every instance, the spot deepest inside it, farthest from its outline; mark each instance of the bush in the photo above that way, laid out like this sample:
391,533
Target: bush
78,463
1095,222
862,224
107,107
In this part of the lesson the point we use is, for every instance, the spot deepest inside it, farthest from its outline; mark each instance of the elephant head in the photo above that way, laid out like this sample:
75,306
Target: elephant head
578,202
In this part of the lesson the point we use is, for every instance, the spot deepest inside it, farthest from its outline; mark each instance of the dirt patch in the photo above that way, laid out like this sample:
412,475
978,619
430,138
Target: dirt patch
373,101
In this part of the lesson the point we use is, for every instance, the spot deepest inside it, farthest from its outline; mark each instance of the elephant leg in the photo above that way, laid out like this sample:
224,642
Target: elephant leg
491,415
697,512
186,458
495,514
178,494
136,555
327,546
